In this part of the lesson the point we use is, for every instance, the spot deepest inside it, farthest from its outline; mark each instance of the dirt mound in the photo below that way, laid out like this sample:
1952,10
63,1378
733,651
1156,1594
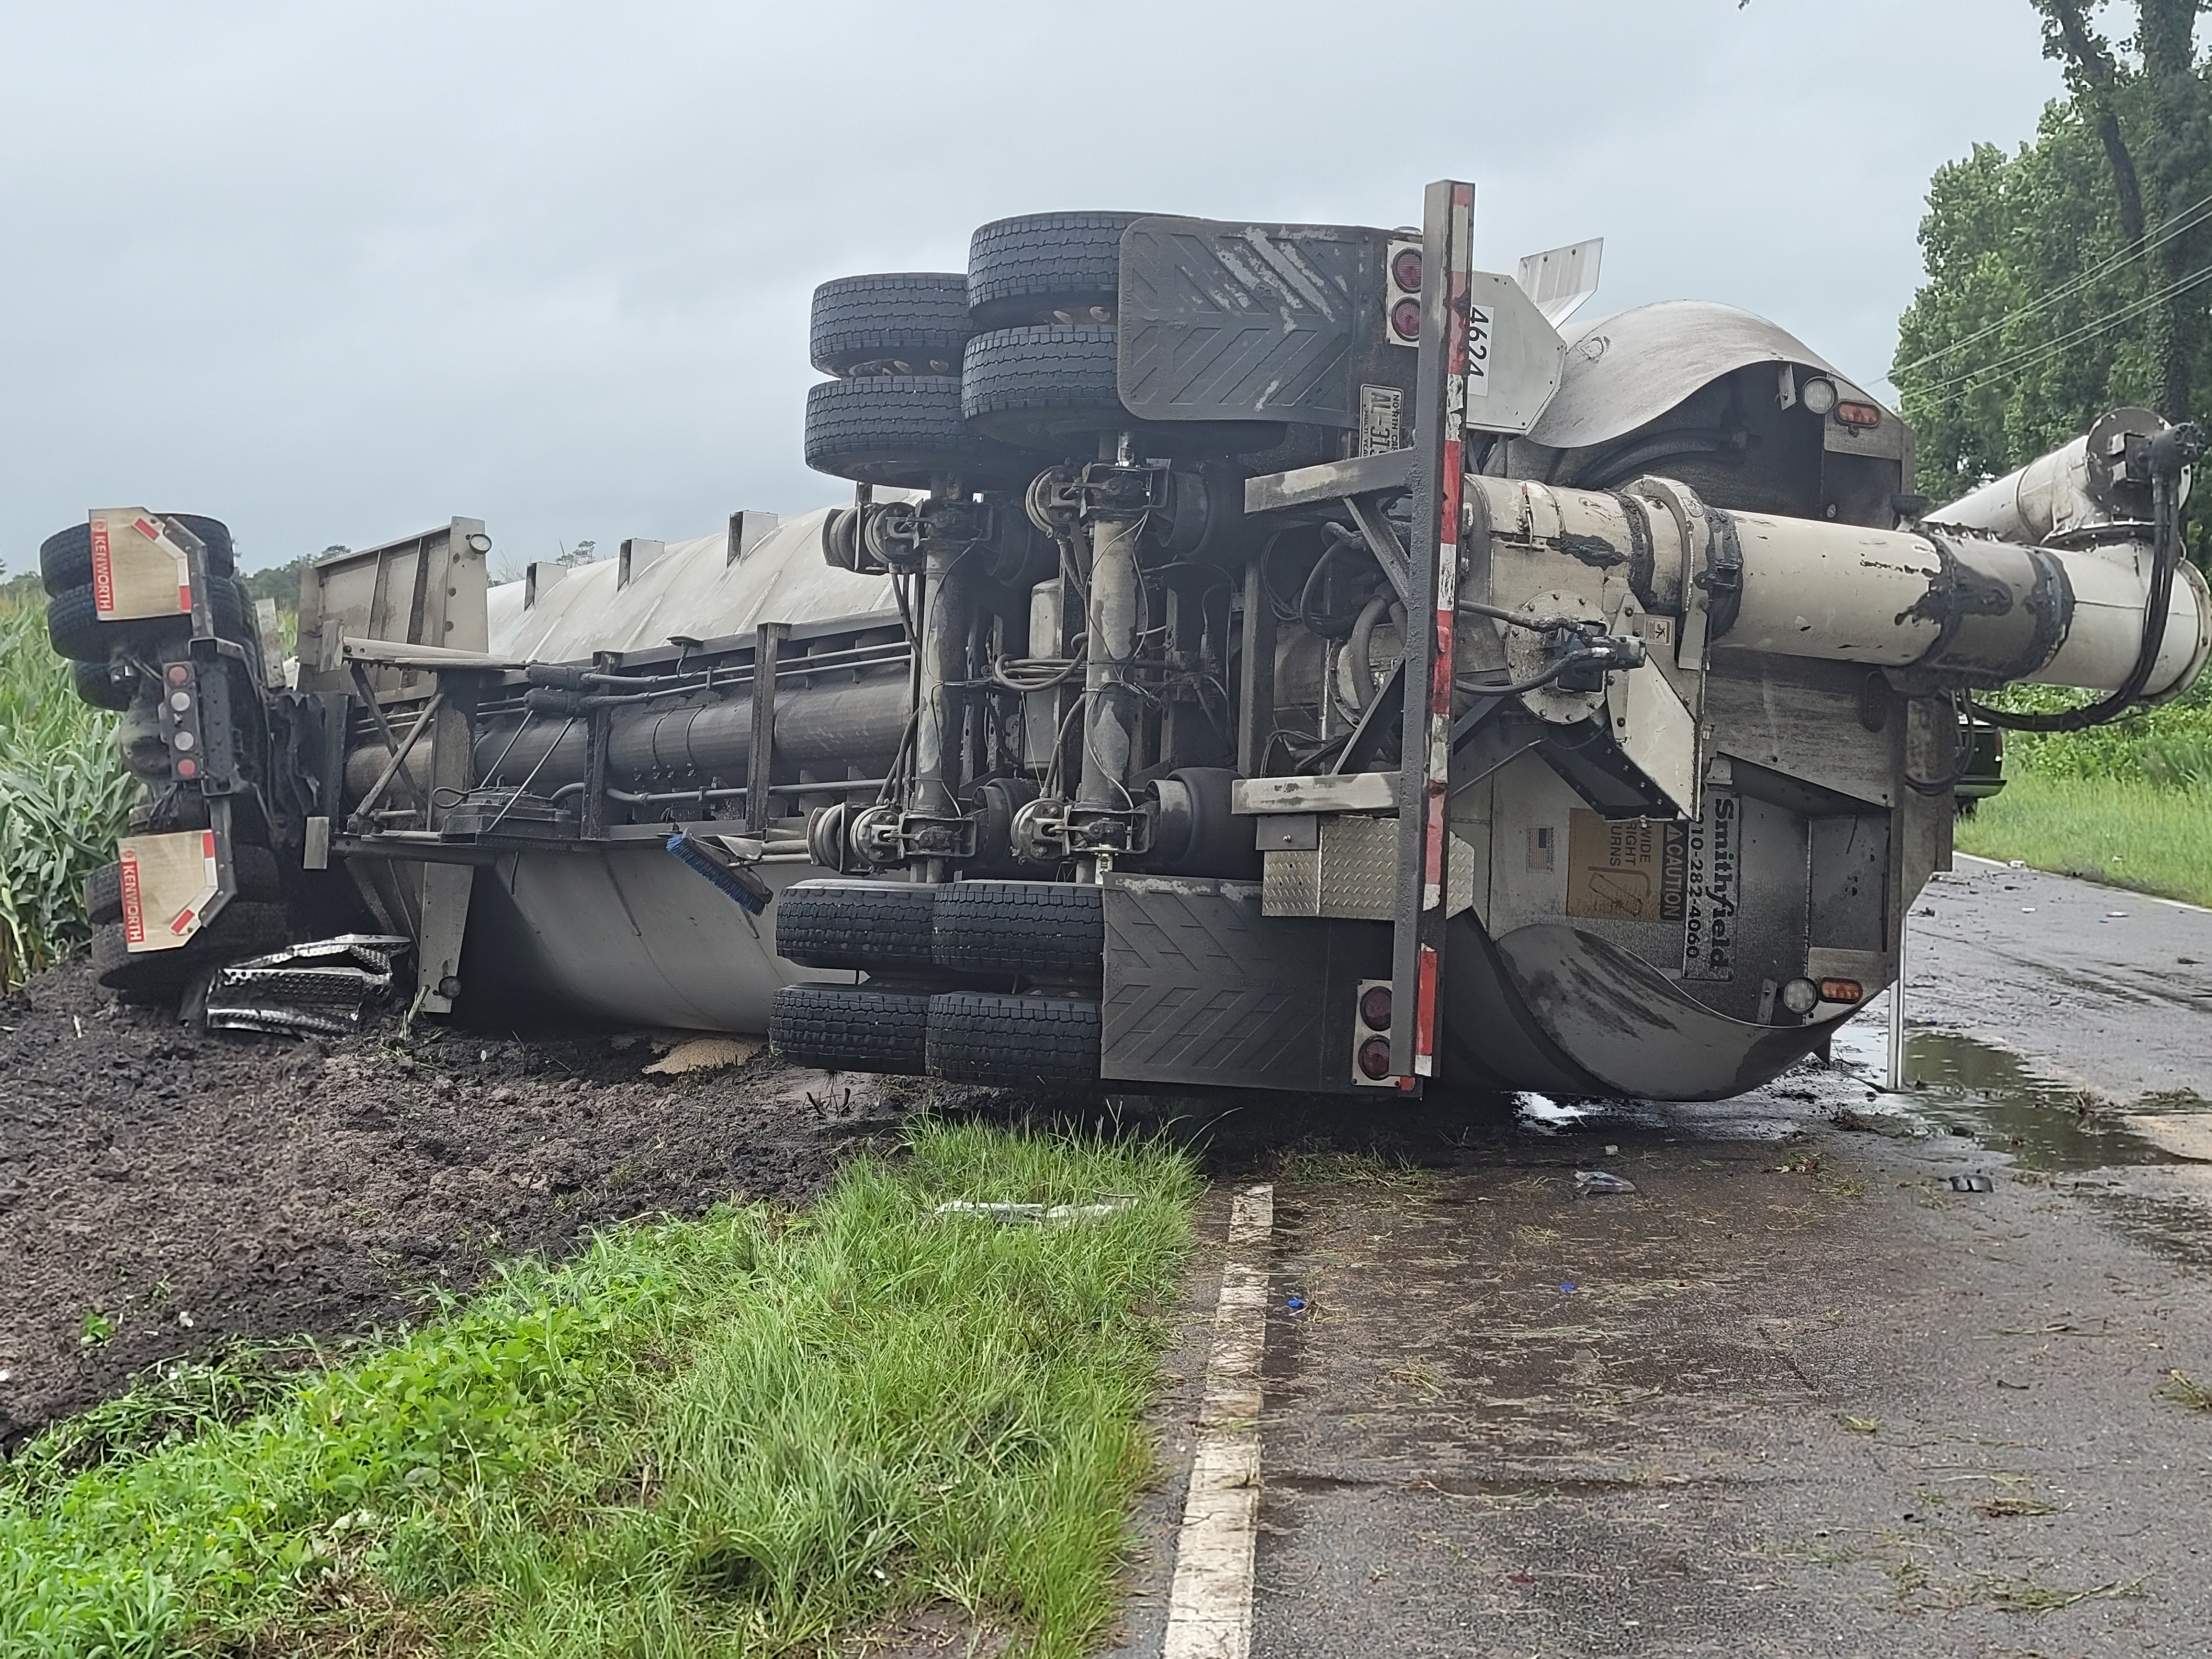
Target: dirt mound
161,1192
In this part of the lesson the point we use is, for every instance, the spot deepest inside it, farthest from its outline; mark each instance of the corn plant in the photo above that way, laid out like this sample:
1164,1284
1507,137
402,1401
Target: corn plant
63,796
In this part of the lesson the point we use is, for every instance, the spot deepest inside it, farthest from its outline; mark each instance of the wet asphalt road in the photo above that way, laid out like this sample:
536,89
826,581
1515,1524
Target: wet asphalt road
1796,1395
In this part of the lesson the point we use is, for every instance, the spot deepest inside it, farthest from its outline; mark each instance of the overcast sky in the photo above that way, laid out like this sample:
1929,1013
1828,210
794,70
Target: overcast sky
336,272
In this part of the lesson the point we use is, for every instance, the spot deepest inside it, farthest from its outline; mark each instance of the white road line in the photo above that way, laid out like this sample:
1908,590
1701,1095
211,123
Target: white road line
1209,1602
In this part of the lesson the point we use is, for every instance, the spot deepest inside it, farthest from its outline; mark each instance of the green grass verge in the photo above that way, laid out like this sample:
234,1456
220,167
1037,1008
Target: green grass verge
64,793
2170,744
742,1435
2133,834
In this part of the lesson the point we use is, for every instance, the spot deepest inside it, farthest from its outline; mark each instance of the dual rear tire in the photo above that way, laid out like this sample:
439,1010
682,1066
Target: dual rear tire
991,376
991,1038
1047,931
1050,934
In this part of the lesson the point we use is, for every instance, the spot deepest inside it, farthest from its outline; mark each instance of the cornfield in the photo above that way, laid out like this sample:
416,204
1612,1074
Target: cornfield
63,796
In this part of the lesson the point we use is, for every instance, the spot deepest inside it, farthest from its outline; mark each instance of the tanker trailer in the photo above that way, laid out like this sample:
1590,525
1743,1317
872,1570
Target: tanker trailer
1255,655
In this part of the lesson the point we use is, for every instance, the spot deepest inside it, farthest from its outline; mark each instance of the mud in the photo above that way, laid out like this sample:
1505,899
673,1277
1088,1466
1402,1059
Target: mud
162,1193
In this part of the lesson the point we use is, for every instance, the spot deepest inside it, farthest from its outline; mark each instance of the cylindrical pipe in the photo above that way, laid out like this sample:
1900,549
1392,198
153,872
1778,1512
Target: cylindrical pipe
948,610
1977,610
1111,706
1840,591
1988,612
2076,486
857,722
2099,649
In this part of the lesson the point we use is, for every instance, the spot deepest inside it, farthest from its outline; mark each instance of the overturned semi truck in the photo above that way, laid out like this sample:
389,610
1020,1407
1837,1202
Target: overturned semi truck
1255,655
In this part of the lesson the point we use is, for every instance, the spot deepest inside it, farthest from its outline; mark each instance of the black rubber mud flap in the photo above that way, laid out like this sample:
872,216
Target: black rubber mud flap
1202,989
1231,322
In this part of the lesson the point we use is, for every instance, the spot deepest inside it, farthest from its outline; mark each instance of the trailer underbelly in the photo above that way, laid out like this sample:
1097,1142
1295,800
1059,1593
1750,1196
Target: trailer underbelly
632,937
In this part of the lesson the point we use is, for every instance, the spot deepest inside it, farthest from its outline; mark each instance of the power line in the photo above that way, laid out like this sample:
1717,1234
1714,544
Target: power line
2174,225
2029,356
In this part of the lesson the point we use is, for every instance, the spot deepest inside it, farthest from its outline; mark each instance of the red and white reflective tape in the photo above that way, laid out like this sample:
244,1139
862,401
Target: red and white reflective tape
1437,761
189,917
134,906
152,531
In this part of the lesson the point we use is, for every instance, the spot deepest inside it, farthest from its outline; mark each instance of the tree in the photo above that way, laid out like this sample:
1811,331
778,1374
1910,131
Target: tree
281,582
2073,276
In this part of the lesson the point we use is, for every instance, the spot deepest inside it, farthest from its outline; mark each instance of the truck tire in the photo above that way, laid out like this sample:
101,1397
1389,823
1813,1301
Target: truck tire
1052,931
1048,387
76,631
97,685
255,868
904,430
898,323
874,926
1013,1042
66,557
1047,267
843,1028
1028,383
241,930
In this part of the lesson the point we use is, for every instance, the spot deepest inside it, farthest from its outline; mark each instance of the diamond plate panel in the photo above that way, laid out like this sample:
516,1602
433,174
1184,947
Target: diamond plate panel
1238,321
1354,873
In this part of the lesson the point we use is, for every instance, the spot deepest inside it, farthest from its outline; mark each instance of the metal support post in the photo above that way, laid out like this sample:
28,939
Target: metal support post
1256,677
760,755
1898,1079
947,614
1112,707
1432,598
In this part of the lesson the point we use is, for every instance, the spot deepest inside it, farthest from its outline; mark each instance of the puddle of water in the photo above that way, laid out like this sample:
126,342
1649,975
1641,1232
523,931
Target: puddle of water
2178,1102
1958,1086
1993,1096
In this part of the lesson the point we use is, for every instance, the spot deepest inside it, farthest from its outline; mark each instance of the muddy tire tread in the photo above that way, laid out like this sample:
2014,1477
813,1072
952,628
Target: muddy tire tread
1050,931
1014,1042
873,926
839,1028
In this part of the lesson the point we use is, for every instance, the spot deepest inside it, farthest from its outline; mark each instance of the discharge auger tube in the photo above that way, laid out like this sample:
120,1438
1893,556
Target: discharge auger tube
1963,607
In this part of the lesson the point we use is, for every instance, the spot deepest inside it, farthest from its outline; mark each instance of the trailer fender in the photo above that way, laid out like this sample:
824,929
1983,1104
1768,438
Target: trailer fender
1623,1021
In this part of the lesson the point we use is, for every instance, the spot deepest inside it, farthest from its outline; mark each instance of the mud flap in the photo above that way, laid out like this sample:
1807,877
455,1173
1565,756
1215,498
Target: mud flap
1201,988
137,568
173,886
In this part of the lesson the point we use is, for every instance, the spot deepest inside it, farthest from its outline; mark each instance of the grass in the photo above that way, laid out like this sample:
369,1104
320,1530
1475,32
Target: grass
2126,832
2185,1389
750,1434
2129,803
64,793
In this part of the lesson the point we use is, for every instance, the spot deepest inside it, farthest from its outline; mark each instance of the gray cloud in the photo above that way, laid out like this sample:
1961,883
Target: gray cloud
336,272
